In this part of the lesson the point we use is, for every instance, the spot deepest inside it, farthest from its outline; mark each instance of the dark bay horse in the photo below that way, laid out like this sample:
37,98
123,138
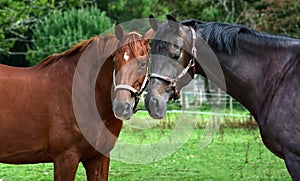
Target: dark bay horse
262,71
37,121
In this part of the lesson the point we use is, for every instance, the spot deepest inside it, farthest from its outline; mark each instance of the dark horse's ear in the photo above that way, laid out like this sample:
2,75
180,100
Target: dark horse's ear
119,31
172,22
153,22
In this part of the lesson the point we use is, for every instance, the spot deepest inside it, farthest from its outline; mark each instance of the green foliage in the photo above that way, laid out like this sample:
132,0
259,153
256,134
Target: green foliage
280,17
277,16
125,10
210,13
16,17
59,30
207,10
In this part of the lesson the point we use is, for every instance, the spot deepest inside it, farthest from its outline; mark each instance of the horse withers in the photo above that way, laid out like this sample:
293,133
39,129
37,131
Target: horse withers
38,121
259,70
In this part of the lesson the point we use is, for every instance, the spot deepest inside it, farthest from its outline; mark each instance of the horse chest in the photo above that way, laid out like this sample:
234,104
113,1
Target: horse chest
280,121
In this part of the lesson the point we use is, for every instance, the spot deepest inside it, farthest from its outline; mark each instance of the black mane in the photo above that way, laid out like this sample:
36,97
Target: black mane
223,37
220,36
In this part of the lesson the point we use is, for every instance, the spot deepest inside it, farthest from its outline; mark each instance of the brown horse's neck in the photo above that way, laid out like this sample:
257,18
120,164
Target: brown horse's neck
65,67
104,88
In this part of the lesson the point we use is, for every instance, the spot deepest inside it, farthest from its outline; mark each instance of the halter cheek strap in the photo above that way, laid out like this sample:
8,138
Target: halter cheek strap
194,49
136,93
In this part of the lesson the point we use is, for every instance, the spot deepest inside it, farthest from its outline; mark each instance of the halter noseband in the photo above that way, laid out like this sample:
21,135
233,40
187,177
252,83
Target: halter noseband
136,93
173,81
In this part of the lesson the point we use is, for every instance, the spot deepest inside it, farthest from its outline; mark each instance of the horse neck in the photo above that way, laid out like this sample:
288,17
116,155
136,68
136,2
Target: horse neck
252,74
103,89
97,71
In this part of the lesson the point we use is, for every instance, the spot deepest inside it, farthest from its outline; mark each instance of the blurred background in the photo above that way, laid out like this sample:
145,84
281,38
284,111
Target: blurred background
30,30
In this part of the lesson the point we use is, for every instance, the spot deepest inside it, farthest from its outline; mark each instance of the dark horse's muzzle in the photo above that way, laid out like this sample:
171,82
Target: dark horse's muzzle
155,103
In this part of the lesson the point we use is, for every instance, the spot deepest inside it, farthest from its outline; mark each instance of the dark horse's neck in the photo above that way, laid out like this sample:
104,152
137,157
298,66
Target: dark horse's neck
253,63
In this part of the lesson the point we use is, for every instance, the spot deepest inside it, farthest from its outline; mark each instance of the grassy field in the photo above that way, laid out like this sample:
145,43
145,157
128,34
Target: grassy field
235,154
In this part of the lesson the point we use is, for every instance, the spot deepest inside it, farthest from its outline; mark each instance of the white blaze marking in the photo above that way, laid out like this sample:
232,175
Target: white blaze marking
126,56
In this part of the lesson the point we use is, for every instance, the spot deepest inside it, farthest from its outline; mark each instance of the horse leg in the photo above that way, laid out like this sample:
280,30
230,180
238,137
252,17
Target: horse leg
292,162
97,168
65,167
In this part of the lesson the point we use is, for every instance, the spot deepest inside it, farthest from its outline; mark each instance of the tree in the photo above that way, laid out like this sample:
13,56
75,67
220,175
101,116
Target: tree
59,30
207,10
126,10
277,16
16,21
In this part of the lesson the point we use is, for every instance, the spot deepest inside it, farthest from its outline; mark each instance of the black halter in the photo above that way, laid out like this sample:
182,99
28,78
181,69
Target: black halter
173,81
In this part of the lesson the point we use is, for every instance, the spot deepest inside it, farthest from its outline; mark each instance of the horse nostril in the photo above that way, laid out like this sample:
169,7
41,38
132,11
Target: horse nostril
157,107
127,107
155,102
122,110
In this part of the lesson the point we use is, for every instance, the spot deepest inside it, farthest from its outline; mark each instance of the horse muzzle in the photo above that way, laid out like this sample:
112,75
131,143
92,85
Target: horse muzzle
156,106
123,110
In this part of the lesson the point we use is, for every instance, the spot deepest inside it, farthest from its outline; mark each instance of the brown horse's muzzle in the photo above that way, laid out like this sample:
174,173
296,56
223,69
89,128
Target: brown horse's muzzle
123,109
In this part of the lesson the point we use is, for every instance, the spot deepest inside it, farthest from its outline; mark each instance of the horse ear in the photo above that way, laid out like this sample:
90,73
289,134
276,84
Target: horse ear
153,22
172,22
149,35
171,18
119,31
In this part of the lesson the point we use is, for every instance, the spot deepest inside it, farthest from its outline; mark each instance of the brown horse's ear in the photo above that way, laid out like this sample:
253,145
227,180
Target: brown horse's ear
153,22
149,35
172,22
119,31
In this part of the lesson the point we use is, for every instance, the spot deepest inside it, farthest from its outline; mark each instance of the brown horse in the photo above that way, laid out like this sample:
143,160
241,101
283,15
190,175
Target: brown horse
37,120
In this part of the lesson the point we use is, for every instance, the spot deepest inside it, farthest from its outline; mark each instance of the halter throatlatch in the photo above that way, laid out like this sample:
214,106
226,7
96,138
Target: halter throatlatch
173,81
135,93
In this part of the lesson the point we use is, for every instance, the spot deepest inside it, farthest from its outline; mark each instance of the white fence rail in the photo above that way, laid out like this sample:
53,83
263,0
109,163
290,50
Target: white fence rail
191,101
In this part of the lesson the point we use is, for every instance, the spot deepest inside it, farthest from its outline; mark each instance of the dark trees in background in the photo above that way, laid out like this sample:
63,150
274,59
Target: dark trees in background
19,18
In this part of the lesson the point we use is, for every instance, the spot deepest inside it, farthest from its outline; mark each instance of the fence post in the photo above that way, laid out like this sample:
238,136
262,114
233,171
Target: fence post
184,101
200,97
230,104
218,101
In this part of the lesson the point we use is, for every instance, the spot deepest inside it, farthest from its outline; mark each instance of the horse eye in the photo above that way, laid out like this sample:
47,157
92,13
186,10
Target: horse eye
176,56
175,52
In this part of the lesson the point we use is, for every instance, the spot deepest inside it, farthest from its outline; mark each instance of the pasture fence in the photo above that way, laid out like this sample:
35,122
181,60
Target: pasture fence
203,107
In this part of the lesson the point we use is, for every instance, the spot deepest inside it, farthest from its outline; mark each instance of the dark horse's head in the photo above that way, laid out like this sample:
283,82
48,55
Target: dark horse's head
172,64
130,69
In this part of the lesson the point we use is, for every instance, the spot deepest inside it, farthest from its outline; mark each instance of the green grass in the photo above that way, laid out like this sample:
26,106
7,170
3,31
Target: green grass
235,154
142,119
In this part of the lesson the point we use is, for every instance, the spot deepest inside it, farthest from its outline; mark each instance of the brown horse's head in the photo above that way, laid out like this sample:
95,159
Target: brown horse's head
130,69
